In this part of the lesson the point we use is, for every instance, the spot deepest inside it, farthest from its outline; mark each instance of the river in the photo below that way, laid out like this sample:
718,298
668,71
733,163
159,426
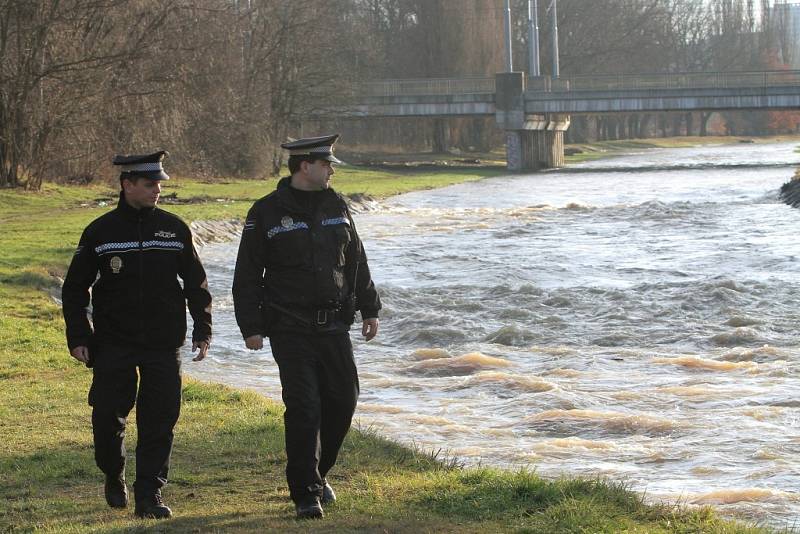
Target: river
635,318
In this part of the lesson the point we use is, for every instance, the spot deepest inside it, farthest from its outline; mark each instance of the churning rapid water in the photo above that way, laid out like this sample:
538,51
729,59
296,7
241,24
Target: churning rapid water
636,318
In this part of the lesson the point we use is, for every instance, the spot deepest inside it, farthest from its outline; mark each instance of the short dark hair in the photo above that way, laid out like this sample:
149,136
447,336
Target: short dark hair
295,161
130,176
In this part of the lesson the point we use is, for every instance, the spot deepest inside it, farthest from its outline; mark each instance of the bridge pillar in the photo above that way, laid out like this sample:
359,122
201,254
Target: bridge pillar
540,145
532,141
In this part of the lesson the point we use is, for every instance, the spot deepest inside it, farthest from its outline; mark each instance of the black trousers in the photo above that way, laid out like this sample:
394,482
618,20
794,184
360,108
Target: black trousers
113,395
320,391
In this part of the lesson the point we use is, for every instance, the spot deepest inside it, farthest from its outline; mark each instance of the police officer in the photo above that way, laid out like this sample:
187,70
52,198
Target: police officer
138,322
301,274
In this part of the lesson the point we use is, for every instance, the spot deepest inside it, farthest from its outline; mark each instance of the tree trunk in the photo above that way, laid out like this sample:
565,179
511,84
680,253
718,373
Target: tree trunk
644,125
677,124
633,125
441,136
704,118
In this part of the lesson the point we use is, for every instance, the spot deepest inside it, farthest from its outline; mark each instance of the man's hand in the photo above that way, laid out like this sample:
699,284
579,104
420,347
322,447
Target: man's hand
203,346
370,328
81,354
255,342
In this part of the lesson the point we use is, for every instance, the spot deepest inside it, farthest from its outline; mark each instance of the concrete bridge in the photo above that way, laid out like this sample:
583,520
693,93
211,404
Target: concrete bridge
535,112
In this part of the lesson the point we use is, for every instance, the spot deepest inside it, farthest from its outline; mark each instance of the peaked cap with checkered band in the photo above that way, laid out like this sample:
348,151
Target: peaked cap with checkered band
146,165
316,147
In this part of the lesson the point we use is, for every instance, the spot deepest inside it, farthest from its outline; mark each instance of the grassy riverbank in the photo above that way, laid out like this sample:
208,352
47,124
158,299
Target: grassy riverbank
228,461
604,149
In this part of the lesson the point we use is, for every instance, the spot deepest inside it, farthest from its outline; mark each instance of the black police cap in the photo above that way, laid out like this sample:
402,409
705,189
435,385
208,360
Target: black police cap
145,165
316,147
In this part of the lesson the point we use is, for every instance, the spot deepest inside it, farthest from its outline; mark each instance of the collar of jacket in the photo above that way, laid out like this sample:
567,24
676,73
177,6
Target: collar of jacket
130,212
288,201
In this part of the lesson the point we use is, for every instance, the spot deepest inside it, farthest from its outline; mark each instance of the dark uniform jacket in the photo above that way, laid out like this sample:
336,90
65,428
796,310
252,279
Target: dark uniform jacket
301,268
137,299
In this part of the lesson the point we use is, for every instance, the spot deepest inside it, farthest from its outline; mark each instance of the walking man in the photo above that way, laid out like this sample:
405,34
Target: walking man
301,274
138,323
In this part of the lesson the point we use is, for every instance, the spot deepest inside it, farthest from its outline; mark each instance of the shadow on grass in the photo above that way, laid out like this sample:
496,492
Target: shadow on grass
30,279
239,465
228,475
234,522
233,481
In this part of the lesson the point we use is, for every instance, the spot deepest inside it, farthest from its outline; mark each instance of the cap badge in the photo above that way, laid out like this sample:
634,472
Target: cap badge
116,264
286,221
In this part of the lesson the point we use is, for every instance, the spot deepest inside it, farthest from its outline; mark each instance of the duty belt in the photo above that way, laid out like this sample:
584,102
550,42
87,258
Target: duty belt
317,318
324,317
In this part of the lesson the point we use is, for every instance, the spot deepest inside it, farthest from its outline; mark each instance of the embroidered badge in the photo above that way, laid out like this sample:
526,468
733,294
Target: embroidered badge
286,221
164,234
116,264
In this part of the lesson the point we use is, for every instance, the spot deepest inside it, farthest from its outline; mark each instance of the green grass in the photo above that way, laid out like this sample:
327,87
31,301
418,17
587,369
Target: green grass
228,463
602,149
40,230
347,180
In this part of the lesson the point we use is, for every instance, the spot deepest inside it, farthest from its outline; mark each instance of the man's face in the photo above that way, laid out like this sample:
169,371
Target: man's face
318,174
143,193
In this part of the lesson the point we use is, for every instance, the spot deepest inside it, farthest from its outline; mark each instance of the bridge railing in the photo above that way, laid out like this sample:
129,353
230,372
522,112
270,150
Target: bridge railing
622,82
694,80
435,86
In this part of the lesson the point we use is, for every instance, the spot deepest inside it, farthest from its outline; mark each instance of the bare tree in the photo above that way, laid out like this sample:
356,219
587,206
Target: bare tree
59,60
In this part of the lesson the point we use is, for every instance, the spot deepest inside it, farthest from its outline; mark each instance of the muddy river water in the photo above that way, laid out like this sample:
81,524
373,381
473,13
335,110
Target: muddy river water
635,318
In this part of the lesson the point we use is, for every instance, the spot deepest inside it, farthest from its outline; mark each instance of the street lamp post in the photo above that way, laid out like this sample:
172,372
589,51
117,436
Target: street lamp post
554,6
507,20
533,38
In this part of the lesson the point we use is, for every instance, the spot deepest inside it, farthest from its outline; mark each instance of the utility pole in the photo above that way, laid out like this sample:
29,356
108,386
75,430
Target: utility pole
507,20
554,6
533,39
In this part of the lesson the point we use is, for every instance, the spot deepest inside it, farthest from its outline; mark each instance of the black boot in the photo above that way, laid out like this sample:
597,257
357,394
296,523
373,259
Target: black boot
328,495
116,491
152,507
309,508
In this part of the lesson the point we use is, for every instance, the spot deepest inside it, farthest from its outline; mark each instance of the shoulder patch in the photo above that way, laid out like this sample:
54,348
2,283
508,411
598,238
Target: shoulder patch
336,220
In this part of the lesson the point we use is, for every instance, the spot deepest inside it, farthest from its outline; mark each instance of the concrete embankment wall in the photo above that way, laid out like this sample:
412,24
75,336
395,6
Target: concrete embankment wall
205,232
